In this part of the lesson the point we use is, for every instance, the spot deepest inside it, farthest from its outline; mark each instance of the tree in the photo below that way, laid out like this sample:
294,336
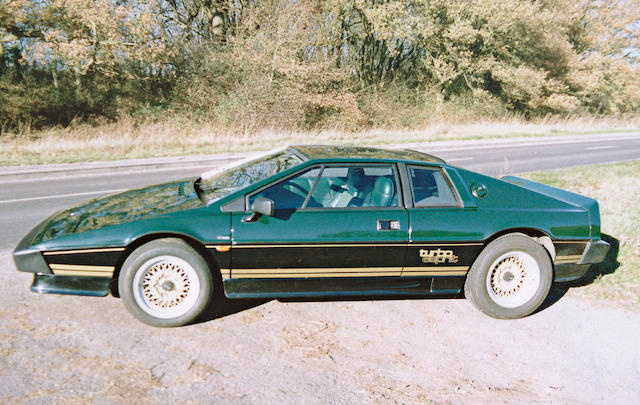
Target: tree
527,53
102,36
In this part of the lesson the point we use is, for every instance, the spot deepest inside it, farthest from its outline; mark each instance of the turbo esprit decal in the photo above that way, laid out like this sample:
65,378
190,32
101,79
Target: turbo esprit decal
438,256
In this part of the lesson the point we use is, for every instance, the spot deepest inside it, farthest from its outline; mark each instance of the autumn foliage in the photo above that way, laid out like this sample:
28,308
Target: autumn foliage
311,64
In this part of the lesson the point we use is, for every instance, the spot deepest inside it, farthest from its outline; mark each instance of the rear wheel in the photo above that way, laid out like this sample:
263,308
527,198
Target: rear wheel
510,278
165,283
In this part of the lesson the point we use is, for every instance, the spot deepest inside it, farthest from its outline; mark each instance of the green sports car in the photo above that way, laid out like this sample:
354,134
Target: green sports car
319,221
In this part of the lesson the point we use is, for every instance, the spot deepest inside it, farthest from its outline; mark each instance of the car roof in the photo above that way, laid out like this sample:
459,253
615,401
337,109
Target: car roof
313,152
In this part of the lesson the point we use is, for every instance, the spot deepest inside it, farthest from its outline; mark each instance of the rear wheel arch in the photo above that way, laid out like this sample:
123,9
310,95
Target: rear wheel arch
538,235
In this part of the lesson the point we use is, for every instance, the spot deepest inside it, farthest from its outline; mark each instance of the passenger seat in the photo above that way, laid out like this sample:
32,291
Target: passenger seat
382,193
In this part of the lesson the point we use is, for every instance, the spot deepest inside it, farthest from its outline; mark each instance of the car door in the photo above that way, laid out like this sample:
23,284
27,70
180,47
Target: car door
330,221
442,240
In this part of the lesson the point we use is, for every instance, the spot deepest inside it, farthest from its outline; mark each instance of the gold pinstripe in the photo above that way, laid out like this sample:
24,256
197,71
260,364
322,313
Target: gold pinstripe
436,268
343,245
319,270
69,252
320,245
345,272
83,273
568,259
447,244
80,267
81,270
435,273
570,241
315,274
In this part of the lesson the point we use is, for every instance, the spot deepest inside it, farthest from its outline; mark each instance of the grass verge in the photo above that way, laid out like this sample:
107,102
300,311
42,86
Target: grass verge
616,187
127,138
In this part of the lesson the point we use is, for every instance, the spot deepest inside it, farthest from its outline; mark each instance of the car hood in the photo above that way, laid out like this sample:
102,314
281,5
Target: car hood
129,206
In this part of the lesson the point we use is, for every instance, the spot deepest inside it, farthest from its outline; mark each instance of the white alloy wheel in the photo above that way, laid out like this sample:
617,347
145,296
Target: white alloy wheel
513,279
510,278
166,283
166,287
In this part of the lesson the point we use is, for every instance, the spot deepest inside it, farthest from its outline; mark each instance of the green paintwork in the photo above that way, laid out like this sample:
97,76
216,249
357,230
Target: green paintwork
176,209
130,206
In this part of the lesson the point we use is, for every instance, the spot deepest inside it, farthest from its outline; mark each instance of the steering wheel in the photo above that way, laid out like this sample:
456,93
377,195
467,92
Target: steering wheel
297,186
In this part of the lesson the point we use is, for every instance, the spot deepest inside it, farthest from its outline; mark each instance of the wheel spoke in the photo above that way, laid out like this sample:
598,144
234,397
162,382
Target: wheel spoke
166,287
513,279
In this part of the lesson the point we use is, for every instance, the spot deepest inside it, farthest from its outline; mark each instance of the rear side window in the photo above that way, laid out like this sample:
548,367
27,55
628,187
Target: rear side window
430,188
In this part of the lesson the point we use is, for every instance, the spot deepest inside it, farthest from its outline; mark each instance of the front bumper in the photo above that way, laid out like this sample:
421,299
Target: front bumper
71,285
28,259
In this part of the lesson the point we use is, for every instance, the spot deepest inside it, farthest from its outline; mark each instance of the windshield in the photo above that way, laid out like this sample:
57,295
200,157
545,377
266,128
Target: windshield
217,184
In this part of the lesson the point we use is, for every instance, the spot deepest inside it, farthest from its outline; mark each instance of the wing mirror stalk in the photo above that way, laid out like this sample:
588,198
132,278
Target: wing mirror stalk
260,206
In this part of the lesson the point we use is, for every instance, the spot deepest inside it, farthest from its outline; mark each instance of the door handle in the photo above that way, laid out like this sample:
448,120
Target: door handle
388,225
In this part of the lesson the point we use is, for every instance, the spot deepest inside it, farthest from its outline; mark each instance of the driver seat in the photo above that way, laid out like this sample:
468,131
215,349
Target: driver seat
382,193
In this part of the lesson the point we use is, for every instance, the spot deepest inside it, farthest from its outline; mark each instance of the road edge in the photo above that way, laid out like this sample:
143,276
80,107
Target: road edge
16,173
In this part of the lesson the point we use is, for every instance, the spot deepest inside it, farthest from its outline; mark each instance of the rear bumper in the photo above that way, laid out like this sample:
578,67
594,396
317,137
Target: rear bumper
595,252
569,272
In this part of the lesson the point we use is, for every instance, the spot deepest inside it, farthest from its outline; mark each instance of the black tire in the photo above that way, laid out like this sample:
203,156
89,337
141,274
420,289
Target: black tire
510,278
165,283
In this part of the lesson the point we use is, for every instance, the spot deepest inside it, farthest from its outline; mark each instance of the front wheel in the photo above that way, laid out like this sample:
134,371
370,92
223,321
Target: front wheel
165,283
510,278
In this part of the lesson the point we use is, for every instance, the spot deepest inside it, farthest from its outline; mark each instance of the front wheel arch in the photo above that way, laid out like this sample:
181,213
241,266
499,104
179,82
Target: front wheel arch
199,247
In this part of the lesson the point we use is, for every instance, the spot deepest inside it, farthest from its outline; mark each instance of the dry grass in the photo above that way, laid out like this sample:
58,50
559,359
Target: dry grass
128,139
616,187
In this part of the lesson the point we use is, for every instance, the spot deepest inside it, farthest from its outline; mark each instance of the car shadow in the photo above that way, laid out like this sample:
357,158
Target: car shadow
222,306
608,266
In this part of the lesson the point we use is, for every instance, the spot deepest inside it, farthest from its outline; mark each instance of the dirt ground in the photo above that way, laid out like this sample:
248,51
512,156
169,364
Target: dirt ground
66,349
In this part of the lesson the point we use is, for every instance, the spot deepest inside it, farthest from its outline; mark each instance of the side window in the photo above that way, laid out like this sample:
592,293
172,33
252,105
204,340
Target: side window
430,188
355,186
290,193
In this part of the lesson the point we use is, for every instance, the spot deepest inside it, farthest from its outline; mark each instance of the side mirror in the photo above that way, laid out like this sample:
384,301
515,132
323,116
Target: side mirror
260,206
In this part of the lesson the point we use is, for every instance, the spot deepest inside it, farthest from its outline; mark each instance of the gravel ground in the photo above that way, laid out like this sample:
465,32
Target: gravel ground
66,349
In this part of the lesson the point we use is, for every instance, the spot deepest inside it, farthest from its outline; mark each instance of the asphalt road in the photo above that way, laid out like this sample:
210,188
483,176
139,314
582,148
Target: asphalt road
25,202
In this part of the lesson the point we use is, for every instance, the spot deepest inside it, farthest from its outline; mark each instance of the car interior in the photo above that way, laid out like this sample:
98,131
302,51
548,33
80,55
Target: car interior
357,186
338,187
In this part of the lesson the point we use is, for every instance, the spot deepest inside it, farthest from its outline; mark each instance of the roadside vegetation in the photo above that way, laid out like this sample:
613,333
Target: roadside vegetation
616,187
183,75
127,139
